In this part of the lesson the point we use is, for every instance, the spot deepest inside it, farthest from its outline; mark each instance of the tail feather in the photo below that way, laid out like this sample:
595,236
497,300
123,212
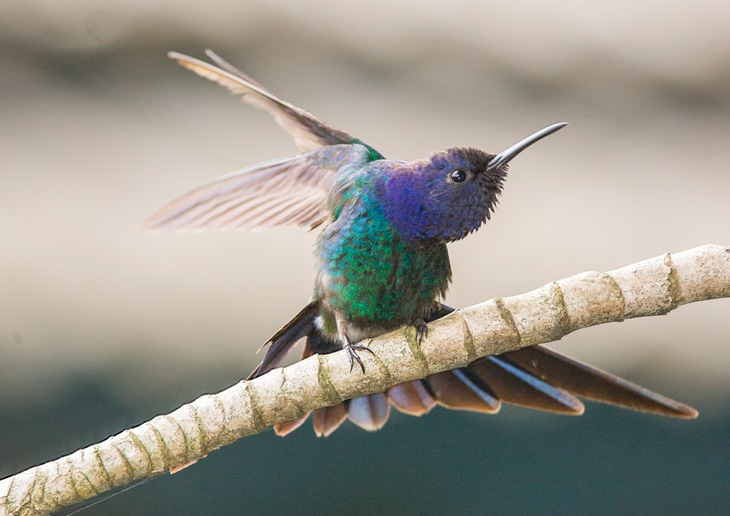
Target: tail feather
369,412
533,377
594,384
455,390
327,420
412,398
513,385
283,429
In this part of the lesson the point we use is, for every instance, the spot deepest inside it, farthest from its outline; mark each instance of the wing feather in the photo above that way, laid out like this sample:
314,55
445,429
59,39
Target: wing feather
308,132
291,191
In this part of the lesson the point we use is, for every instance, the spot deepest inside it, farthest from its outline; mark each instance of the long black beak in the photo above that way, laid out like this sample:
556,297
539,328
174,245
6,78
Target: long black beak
505,156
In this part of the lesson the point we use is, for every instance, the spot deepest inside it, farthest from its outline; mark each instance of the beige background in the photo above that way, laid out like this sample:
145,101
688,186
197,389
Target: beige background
98,129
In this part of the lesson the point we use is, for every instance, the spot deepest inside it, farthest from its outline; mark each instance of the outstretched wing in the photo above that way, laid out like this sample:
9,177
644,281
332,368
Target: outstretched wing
290,191
308,132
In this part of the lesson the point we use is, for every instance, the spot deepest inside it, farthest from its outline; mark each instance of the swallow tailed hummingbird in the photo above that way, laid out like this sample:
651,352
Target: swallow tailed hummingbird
382,261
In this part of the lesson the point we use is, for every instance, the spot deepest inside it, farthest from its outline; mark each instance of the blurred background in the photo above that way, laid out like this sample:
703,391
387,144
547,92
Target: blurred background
103,326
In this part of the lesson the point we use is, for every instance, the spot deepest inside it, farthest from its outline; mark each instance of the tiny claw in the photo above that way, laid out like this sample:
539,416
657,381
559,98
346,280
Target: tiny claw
354,357
421,330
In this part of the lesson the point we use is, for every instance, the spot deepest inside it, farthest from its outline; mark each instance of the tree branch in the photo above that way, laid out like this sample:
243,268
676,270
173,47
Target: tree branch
650,287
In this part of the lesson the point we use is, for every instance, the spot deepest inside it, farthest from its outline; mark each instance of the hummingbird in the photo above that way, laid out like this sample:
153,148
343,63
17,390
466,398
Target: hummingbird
382,262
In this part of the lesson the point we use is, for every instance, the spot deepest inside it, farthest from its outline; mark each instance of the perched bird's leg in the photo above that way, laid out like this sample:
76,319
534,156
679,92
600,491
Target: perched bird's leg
352,350
421,330
436,311
347,344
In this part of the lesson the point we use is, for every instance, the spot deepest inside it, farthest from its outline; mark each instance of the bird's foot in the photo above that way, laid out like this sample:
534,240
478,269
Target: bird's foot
352,350
421,330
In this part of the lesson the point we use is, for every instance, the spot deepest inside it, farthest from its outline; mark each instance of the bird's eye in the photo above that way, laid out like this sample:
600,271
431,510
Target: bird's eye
458,175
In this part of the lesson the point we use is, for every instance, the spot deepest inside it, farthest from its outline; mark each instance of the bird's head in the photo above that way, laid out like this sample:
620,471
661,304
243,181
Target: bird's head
451,193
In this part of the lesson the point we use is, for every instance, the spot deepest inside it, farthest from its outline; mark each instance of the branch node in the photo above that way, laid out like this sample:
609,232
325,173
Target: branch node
140,445
127,465
675,289
563,321
330,391
411,335
471,350
258,421
164,450
102,468
203,435
508,319
383,367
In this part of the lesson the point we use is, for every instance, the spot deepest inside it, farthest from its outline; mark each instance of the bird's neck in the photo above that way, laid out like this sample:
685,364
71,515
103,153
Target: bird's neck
407,205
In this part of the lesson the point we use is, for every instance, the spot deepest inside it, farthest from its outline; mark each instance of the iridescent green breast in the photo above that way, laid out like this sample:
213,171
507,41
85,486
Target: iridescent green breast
369,275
